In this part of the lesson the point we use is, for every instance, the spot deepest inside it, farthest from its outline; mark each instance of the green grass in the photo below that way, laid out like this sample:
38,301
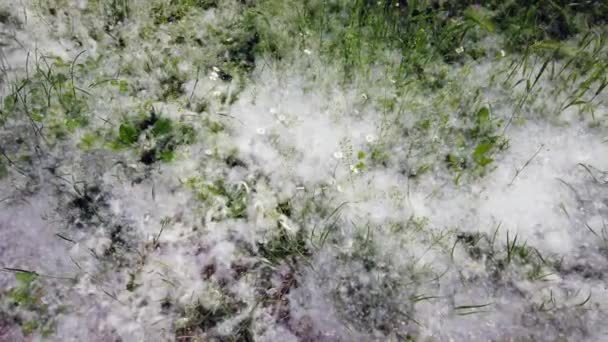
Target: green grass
202,319
285,246
424,35
28,296
162,134
50,99
512,256
233,196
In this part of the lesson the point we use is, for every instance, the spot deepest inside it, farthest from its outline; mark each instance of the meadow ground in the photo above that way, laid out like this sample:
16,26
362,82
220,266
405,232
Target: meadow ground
289,170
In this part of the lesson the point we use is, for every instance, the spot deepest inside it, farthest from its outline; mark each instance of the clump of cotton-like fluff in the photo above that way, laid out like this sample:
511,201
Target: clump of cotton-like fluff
448,282
304,209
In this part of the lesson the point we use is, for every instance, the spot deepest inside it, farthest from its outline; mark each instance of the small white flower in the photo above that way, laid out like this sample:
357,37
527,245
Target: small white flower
393,81
282,118
229,39
502,53
216,69
354,169
261,131
217,93
338,155
397,5
459,50
370,138
308,52
364,96
208,152
213,76
273,110
339,188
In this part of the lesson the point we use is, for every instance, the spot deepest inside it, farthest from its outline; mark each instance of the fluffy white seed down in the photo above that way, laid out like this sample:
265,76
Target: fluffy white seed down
166,243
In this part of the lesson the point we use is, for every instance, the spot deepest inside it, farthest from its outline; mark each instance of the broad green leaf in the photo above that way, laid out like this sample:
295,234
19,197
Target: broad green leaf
167,156
480,154
127,134
483,117
483,161
162,127
25,278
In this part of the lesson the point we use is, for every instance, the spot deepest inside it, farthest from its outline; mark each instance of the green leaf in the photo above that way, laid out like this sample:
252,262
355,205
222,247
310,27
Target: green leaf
215,127
37,115
60,78
574,103
420,39
360,155
481,17
480,154
540,72
29,327
555,47
482,149
72,124
87,141
9,104
454,161
122,85
162,127
25,278
167,156
127,134
425,124
483,161
483,116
